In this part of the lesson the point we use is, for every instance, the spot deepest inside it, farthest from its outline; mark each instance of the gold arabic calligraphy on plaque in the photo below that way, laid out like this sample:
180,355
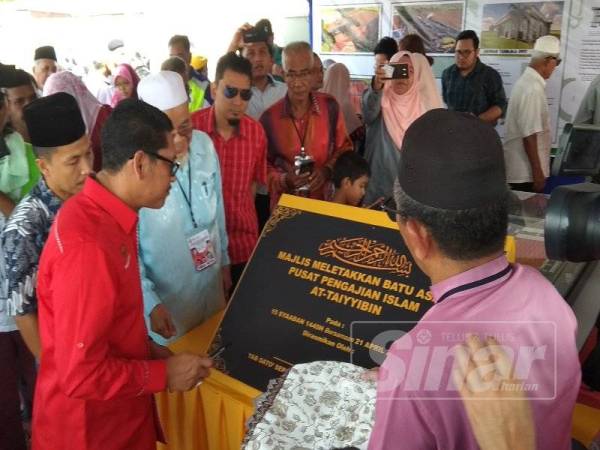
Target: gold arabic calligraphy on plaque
280,213
367,254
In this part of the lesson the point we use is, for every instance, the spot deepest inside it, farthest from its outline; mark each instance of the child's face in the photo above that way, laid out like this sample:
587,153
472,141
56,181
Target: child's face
355,191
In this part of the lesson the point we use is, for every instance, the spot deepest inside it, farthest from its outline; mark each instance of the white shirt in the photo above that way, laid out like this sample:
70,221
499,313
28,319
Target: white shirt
263,100
527,114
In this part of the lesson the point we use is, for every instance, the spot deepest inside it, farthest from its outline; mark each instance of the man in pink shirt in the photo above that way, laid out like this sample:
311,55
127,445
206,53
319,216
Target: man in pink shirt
452,213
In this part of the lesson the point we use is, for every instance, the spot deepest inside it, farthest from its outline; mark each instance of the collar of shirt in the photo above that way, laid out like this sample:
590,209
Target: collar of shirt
473,280
270,79
286,111
211,127
43,192
114,206
534,76
271,83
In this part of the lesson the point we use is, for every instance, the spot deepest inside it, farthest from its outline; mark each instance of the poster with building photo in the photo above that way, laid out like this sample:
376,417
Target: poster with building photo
512,28
436,23
350,29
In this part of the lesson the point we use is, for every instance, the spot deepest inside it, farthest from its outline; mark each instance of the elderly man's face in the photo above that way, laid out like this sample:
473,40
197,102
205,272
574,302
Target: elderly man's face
298,75
550,65
42,69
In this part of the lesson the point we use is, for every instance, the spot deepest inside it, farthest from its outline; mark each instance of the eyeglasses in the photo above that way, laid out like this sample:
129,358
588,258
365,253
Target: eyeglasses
174,164
298,75
556,58
465,53
231,92
389,206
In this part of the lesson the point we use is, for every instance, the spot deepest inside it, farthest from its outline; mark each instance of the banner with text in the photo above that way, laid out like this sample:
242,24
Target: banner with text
318,268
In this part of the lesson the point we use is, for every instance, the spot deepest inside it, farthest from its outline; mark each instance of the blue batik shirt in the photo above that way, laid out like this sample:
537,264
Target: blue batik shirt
22,240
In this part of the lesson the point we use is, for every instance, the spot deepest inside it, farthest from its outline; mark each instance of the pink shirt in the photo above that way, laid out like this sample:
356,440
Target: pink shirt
418,406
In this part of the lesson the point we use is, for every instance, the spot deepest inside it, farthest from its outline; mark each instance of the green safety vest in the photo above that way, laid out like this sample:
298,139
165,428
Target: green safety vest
196,96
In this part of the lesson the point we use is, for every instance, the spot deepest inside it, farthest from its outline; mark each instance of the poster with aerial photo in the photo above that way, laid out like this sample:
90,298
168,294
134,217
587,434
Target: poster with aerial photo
512,28
436,23
350,29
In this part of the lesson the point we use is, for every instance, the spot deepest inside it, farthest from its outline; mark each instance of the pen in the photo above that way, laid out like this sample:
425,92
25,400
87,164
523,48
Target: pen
220,350
216,353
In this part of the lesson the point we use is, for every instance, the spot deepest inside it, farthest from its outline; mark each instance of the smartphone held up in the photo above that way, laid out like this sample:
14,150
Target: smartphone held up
395,71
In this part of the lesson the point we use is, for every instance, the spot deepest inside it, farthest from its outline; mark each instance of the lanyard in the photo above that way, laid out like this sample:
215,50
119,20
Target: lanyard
302,137
474,284
188,197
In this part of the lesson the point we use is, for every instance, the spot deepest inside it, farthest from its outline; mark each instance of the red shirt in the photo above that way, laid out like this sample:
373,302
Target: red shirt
243,162
96,380
323,131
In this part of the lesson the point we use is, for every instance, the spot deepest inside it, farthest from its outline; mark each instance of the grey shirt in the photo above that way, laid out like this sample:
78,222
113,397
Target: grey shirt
589,110
263,100
380,151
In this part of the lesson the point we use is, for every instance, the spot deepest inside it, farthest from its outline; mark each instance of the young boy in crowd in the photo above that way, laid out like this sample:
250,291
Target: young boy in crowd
350,178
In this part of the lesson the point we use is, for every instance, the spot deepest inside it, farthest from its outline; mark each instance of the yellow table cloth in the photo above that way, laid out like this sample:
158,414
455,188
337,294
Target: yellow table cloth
211,416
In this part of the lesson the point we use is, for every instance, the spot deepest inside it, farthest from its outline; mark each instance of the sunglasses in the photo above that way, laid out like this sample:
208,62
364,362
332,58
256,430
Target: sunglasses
174,164
389,206
558,60
231,92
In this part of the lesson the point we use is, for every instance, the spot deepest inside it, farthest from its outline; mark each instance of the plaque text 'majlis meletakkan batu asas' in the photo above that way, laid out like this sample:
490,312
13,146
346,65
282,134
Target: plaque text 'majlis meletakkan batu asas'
326,282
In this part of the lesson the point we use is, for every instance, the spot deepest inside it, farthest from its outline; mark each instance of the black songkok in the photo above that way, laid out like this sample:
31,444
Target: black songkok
46,52
452,160
54,120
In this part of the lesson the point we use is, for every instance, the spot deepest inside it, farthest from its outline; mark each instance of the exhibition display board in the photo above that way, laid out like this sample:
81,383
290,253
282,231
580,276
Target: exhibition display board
345,30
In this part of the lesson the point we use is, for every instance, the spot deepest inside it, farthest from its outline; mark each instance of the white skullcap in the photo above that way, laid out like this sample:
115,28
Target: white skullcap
163,90
547,45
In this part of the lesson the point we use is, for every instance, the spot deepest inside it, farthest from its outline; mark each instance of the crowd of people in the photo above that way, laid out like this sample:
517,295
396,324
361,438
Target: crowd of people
130,210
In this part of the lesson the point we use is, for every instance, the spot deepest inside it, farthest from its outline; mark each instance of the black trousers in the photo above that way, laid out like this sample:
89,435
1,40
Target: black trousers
262,203
17,368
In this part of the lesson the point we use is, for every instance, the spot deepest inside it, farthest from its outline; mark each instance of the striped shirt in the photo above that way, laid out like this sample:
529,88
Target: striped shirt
243,162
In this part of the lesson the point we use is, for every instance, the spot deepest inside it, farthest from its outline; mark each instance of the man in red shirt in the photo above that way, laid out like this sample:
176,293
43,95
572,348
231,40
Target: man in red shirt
303,122
241,146
98,369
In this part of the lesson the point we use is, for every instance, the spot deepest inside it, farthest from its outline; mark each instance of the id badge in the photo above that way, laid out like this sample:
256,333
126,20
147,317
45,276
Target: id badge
202,249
